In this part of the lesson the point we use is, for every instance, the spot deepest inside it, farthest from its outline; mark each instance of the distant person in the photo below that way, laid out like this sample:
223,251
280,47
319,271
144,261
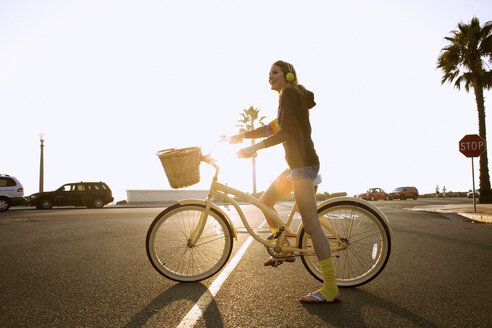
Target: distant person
443,191
293,130
437,191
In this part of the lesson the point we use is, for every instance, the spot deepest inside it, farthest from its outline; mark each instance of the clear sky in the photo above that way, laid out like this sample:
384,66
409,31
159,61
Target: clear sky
110,83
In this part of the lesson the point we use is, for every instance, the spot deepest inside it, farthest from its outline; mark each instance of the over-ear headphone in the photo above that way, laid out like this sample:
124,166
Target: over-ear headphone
289,76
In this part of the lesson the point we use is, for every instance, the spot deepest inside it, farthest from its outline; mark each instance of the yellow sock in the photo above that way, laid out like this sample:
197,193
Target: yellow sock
329,289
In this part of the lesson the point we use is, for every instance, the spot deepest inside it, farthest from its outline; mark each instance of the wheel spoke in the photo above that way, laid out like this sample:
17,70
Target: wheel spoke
364,244
168,243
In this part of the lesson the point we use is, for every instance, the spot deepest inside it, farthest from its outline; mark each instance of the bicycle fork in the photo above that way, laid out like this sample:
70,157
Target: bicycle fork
197,232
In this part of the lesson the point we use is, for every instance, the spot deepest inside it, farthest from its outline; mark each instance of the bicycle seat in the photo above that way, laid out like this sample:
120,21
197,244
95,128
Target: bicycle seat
317,181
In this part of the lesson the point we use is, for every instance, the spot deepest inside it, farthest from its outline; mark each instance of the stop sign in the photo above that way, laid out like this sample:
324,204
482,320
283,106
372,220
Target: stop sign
472,145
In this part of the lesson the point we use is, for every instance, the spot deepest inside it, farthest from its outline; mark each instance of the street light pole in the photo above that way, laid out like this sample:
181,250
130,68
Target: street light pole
41,163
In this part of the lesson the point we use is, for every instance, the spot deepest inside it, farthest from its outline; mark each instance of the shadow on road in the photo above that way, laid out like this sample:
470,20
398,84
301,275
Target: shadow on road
180,291
351,312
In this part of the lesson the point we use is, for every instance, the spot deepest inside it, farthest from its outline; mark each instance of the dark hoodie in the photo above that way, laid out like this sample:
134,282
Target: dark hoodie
295,129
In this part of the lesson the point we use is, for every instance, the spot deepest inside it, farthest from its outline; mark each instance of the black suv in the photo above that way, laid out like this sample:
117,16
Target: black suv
90,194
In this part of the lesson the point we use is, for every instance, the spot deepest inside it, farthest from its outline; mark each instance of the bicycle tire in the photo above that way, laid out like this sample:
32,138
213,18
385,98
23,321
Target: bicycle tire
168,246
367,243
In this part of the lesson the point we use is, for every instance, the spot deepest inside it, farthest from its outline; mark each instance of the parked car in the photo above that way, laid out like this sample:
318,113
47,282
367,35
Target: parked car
404,193
11,192
470,194
374,194
90,194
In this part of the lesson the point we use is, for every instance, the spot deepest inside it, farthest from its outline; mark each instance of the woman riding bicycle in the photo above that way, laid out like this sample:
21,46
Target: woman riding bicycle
293,129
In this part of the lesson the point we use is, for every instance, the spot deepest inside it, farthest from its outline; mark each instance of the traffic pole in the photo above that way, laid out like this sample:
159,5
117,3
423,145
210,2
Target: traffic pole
473,180
41,163
472,145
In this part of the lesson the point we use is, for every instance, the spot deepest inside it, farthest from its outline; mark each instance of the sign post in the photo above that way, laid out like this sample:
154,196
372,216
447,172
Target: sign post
472,145
473,191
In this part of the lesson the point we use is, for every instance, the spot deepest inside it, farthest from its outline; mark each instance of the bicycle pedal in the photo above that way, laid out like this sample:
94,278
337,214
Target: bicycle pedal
273,263
276,263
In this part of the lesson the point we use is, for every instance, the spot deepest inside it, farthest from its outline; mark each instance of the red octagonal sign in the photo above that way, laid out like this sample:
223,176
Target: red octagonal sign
472,145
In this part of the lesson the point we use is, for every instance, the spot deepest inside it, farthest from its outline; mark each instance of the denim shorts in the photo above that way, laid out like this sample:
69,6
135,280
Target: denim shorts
307,172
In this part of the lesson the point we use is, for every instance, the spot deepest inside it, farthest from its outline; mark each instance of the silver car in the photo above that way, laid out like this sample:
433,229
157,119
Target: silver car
11,192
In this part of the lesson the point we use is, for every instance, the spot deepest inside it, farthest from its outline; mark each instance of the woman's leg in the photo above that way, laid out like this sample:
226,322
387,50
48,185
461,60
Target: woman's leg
306,201
304,194
279,189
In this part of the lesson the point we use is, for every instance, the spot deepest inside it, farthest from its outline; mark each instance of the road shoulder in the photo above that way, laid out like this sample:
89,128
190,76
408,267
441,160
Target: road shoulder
482,215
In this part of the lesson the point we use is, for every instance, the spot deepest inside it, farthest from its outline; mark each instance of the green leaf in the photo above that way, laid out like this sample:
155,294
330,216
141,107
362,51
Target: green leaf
249,117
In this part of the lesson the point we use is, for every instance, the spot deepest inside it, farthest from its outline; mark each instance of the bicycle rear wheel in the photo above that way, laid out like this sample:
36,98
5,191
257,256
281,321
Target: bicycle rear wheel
364,248
169,249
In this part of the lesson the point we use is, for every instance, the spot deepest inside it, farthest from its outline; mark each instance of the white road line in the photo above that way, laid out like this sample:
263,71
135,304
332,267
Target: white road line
201,305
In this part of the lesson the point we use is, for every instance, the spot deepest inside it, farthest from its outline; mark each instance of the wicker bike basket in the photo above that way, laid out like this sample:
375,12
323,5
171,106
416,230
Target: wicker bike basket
182,166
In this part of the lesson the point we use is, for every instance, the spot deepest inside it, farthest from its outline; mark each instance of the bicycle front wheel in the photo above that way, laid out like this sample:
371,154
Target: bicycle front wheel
169,246
362,248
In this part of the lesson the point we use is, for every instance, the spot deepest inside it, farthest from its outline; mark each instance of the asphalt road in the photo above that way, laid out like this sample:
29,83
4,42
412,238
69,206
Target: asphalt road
88,268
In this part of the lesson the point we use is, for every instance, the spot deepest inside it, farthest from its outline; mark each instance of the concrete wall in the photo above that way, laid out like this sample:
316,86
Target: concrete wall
162,196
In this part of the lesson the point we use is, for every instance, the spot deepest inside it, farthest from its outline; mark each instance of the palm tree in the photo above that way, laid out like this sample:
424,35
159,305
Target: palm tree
464,60
249,117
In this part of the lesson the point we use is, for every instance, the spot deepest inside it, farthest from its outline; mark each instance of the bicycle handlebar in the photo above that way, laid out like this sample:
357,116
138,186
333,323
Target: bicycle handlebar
208,159
211,161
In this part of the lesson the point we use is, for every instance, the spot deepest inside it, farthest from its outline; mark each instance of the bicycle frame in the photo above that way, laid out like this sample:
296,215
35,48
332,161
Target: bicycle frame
358,233
222,191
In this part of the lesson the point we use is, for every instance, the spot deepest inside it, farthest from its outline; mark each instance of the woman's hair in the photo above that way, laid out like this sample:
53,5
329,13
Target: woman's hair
286,68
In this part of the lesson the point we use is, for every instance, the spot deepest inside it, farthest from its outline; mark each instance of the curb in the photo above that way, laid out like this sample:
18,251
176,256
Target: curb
475,217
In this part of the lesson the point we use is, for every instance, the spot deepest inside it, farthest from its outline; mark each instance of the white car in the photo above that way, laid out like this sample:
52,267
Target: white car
11,192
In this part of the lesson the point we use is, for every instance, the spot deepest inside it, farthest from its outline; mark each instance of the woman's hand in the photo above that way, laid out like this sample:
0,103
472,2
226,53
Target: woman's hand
250,151
238,138
246,152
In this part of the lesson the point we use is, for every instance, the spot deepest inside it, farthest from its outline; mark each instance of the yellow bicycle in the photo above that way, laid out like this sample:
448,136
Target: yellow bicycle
193,239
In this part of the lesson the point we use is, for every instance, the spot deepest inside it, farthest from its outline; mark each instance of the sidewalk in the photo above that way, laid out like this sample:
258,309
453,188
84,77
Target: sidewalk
483,214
